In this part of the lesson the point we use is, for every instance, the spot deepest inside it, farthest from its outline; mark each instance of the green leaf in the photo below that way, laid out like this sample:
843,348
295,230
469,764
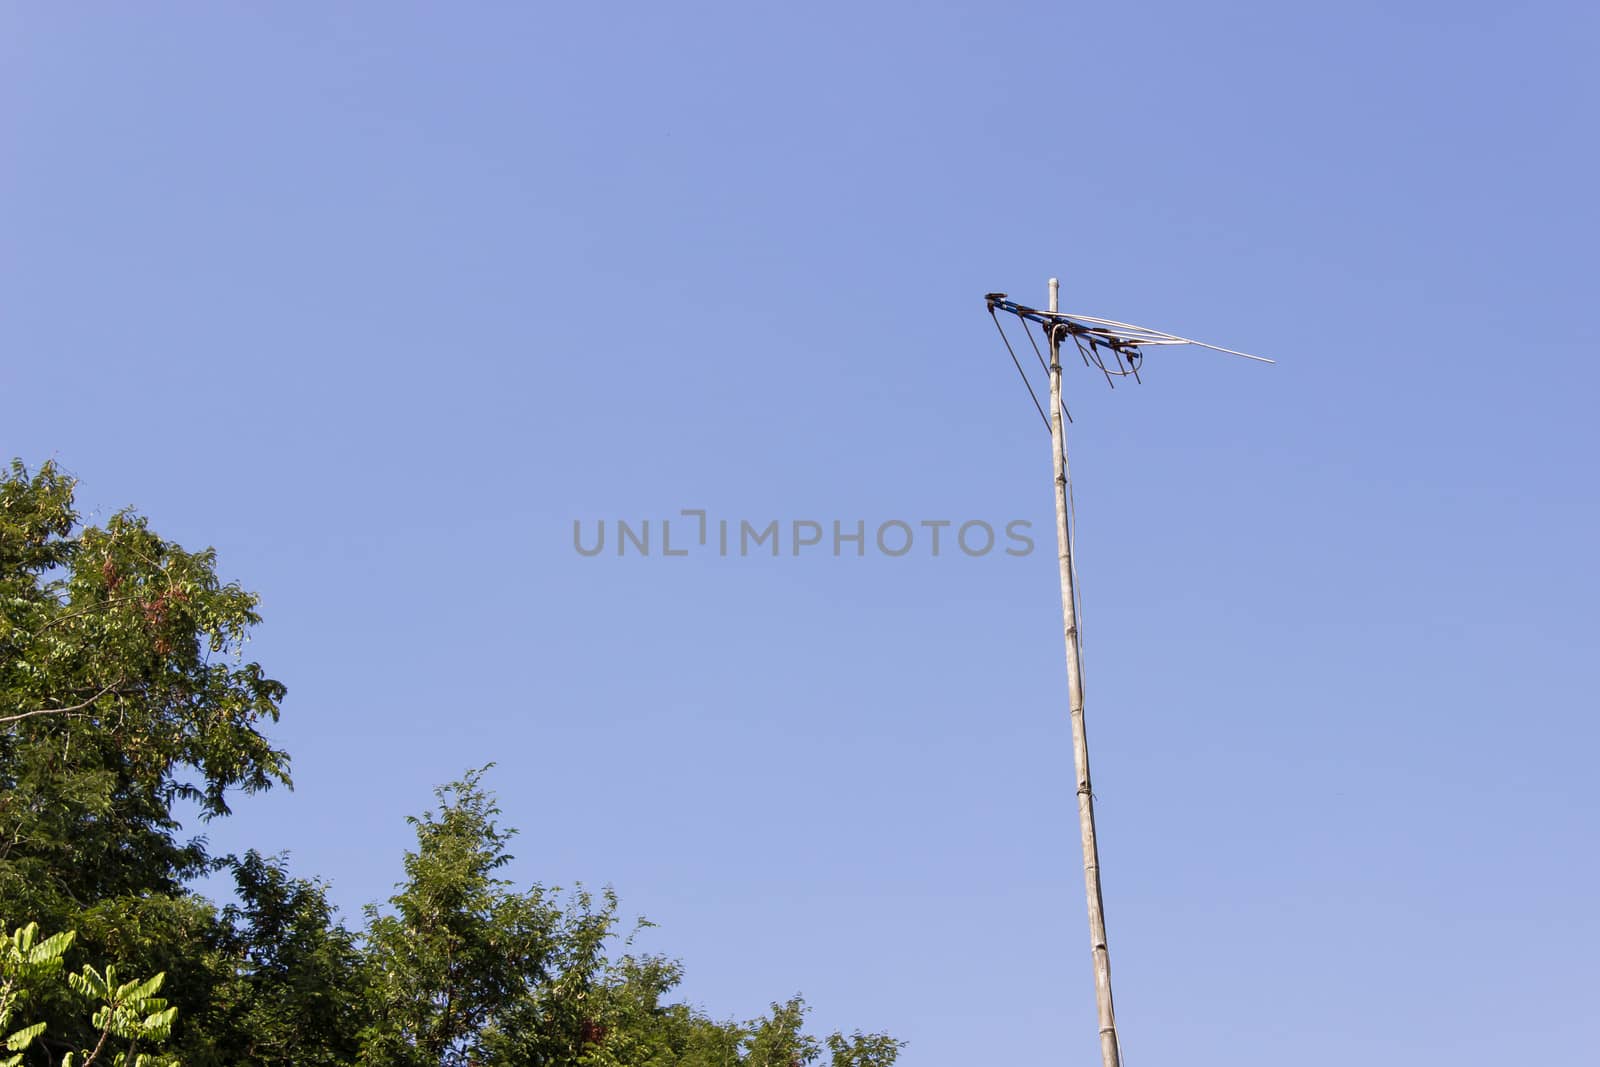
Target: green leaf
51,948
24,1037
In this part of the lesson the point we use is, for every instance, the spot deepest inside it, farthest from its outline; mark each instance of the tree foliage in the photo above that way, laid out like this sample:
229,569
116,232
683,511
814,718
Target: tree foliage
469,969
121,691
294,994
124,1015
124,691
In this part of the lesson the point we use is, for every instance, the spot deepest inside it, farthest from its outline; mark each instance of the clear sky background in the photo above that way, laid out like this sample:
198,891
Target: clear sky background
378,299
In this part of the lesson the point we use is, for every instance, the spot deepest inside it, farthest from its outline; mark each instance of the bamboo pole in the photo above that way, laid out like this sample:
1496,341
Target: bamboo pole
1110,1052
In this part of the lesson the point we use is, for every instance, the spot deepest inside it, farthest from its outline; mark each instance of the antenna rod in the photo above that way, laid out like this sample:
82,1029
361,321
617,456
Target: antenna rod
1110,1051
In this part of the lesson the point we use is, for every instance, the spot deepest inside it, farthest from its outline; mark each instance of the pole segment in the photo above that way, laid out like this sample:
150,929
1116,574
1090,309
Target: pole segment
1110,1052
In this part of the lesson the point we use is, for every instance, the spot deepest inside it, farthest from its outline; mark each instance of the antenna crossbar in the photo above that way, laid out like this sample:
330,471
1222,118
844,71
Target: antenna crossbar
1121,337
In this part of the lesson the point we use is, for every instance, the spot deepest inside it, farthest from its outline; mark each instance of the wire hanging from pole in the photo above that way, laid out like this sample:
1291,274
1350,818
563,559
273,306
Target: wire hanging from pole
1044,366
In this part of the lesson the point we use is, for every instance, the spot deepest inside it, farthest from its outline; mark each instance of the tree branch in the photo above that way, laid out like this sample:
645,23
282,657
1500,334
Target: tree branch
105,1035
58,711
89,610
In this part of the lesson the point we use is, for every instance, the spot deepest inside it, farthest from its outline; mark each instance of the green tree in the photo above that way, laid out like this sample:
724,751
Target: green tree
295,990
458,948
122,690
467,969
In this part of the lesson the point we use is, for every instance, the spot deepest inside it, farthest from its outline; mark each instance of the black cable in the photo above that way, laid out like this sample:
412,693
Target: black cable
1042,365
1018,363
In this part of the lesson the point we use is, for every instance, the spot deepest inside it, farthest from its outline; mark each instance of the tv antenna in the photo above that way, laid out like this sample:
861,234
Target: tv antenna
1116,349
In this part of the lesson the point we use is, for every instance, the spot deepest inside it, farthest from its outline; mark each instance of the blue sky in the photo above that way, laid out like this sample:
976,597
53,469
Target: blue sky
379,299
